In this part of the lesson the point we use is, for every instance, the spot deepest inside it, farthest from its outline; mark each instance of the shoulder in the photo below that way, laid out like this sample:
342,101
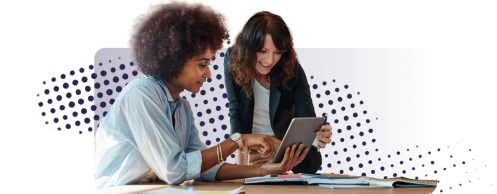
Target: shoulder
227,56
141,87
226,64
140,84
298,68
142,81
228,51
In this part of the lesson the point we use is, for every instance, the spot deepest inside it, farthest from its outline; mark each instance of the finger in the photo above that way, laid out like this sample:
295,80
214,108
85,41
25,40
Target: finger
325,139
263,144
263,155
323,133
321,144
267,148
271,145
326,128
296,155
292,151
277,141
302,156
285,159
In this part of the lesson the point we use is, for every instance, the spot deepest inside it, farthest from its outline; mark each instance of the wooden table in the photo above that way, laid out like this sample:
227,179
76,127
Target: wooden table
233,184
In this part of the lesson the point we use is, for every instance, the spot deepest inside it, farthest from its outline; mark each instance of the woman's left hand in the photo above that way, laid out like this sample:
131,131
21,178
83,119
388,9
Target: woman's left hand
323,136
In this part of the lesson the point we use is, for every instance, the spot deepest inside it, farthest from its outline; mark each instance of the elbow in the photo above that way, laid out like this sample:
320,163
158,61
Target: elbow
175,178
176,181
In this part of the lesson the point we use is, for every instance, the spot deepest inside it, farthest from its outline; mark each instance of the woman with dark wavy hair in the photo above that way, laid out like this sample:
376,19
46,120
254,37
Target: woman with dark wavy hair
267,88
149,131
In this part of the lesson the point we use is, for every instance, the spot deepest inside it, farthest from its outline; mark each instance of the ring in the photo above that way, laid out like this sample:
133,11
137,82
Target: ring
297,162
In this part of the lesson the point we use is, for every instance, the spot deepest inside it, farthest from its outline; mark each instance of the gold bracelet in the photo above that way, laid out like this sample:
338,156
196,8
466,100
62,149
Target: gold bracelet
217,148
221,151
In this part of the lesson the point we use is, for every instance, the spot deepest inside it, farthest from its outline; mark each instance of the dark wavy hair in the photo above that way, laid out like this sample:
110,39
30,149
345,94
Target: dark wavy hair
251,40
170,34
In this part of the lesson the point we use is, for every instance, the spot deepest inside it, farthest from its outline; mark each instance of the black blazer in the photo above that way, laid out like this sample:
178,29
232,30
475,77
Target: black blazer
284,105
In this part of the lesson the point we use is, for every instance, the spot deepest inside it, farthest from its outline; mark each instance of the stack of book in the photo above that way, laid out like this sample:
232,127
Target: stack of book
338,181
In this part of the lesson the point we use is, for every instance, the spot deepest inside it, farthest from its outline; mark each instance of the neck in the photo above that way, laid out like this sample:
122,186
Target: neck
174,90
260,76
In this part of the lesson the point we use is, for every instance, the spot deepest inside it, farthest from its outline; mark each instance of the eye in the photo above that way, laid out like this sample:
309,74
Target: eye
278,52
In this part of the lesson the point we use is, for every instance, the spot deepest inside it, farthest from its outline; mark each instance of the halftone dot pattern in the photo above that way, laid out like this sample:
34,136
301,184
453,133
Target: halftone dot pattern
457,167
462,175
64,101
460,171
78,92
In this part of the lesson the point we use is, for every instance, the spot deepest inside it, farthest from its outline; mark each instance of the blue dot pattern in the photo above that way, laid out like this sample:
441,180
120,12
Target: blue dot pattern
67,115
66,98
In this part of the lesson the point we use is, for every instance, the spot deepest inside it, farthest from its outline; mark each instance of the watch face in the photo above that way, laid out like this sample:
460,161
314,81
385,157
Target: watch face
236,136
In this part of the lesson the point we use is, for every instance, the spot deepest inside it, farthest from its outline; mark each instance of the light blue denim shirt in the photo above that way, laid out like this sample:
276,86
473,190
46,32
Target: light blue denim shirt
137,135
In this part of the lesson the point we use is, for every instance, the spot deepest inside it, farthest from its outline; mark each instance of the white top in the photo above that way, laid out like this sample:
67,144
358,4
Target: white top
262,123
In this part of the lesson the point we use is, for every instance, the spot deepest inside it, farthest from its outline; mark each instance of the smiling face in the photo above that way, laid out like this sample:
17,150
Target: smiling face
194,73
268,56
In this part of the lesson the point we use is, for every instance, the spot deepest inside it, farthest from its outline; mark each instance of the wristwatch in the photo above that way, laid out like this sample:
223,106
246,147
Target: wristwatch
236,137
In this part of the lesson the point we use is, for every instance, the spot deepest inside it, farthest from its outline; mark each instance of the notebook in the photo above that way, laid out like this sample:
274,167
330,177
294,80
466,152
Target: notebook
306,179
384,183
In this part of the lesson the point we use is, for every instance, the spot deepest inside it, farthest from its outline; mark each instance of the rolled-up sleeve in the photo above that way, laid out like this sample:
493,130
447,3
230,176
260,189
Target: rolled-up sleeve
153,136
194,145
236,120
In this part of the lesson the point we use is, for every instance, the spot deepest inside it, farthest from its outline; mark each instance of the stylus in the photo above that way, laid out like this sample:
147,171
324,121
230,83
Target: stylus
325,120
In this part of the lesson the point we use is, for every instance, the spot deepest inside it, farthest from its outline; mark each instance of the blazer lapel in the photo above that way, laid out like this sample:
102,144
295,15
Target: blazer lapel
247,105
274,100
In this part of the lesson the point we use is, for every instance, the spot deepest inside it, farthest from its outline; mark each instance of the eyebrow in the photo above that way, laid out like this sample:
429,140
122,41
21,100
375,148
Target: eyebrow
204,59
268,49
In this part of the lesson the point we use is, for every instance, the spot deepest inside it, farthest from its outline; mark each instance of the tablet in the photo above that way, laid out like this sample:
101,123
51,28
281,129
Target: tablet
300,130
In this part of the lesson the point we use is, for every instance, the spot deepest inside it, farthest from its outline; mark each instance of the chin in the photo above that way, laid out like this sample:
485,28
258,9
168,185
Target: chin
263,72
195,91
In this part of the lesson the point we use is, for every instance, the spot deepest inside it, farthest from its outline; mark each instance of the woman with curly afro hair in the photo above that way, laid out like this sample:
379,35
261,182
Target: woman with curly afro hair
149,131
267,87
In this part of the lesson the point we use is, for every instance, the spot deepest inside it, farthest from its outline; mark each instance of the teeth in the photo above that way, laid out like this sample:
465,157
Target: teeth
264,65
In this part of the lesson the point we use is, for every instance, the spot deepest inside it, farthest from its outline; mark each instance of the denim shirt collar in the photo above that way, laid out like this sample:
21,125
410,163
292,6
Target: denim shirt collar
170,99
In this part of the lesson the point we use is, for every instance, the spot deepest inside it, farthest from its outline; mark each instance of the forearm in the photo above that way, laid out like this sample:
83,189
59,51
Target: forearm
232,171
210,155
241,158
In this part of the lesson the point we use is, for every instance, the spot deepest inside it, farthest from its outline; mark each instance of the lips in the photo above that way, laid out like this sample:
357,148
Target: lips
267,67
199,84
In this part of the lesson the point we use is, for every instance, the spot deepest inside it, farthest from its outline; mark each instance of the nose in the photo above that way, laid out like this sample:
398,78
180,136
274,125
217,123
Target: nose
269,59
207,73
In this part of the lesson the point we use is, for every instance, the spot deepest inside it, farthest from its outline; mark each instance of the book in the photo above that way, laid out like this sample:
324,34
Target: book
384,183
168,190
307,179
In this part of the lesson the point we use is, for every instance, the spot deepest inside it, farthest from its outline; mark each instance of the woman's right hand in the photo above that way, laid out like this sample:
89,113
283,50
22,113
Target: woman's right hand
292,154
261,142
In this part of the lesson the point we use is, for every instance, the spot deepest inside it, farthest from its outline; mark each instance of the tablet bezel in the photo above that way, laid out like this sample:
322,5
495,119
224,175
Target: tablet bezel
300,130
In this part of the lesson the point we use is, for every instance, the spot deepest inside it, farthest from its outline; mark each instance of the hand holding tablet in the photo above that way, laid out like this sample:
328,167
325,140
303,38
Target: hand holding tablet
298,139
301,130
291,155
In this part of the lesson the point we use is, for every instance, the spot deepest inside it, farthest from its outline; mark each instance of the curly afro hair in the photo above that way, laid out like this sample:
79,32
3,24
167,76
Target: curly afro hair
170,34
